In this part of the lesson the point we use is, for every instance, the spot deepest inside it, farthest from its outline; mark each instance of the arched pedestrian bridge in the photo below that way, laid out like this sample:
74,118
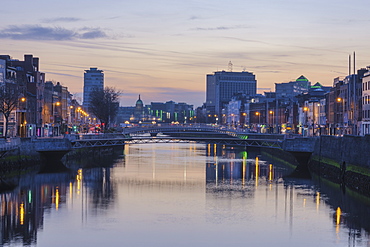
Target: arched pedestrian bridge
181,133
301,148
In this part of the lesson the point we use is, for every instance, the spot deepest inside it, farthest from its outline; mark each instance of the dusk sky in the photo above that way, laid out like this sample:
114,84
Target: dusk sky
163,49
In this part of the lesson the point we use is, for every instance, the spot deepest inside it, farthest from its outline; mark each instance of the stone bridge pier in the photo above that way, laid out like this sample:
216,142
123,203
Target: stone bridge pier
51,152
301,149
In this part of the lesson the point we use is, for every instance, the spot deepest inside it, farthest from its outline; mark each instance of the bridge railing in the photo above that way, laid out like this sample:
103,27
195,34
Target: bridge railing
75,137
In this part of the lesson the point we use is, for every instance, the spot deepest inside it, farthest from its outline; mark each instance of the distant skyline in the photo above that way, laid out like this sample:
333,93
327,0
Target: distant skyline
163,50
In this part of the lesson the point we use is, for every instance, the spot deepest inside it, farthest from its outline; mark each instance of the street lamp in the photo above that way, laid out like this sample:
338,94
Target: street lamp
244,119
23,122
232,119
319,118
305,109
259,118
272,113
55,113
341,100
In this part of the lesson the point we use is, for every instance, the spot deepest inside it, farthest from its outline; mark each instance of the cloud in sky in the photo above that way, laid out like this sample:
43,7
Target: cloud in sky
219,28
60,19
145,45
38,32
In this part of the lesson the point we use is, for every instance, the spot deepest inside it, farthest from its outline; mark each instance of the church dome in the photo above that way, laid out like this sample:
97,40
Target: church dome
139,101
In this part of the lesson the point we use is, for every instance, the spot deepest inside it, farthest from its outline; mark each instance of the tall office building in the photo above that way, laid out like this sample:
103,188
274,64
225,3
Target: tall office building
93,78
222,85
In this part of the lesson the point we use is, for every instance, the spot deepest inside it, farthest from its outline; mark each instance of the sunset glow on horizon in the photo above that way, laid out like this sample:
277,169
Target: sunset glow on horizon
163,50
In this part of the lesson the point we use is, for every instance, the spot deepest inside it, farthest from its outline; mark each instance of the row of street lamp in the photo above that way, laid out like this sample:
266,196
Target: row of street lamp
22,108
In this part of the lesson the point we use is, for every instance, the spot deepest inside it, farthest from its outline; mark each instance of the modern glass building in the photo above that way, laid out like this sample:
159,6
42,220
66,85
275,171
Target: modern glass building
93,78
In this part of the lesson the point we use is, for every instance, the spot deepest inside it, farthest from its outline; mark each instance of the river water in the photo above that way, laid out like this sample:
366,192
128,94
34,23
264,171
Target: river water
182,195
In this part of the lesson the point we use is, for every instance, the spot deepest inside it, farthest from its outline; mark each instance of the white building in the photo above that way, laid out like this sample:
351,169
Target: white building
93,78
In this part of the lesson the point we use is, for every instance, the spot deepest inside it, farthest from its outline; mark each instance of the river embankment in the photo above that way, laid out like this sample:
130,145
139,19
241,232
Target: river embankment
26,158
343,160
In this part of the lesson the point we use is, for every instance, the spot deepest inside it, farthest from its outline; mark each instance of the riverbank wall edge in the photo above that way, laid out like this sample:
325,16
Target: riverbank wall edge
343,160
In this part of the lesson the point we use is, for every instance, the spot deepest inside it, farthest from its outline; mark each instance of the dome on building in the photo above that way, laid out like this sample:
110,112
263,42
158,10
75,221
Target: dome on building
139,101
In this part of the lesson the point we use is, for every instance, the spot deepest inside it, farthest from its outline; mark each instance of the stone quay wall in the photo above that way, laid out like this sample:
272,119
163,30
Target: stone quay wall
344,160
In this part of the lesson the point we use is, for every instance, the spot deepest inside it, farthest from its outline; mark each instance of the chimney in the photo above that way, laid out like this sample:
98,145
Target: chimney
349,65
354,63
35,62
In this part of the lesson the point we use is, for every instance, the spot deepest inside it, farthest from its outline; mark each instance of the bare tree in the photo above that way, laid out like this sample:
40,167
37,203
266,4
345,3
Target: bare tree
9,99
104,104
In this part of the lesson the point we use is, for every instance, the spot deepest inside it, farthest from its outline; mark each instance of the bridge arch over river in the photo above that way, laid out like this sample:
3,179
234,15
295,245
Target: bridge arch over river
301,148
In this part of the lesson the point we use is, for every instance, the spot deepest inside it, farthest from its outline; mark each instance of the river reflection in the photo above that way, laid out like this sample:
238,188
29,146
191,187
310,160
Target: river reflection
181,195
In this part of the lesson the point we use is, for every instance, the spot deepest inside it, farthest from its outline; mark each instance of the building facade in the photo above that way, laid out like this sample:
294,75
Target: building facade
222,85
365,124
93,79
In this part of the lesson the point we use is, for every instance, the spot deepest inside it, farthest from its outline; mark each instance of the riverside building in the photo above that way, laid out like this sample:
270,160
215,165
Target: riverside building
93,78
222,85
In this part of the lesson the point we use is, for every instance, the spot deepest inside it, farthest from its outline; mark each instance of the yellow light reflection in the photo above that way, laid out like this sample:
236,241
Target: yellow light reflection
270,173
209,148
317,200
215,149
257,171
339,213
79,179
304,202
21,214
70,190
57,199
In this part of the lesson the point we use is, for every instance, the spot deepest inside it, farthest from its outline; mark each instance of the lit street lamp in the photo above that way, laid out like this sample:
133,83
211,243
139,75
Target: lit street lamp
259,119
305,109
340,100
55,113
273,128
23,122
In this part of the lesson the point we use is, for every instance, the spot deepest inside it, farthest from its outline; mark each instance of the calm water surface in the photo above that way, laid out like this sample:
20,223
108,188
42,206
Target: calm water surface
182,195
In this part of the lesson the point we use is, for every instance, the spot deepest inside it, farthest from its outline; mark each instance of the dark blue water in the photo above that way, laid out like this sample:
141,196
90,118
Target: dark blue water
182,195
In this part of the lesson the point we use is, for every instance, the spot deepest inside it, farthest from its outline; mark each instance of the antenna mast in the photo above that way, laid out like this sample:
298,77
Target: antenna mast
230,66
